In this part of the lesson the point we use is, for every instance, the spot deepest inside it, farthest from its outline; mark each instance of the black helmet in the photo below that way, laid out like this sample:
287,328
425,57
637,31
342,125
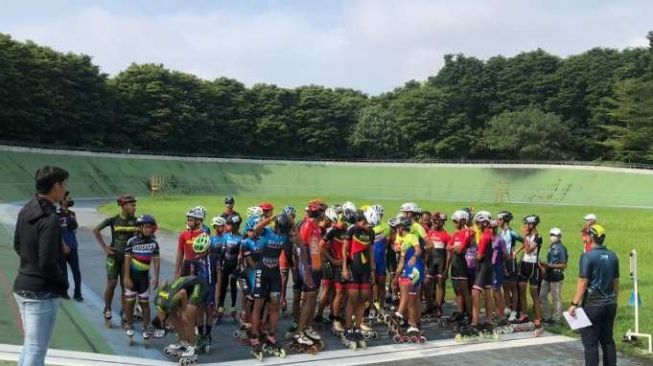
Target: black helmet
359,216
532,219
505,216
282,223
229,200
125,198
405,222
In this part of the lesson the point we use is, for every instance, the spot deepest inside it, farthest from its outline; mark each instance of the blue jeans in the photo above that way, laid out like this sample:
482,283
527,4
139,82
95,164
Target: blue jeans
38,316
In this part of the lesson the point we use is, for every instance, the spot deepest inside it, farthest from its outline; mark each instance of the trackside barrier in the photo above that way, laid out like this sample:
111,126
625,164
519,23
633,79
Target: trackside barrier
630,335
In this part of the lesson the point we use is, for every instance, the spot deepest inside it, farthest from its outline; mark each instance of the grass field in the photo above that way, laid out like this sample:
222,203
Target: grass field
626,229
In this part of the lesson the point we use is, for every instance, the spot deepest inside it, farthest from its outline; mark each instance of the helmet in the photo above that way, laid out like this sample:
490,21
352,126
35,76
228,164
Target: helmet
145,219
532,219
378,208
494,223
332,214
348,206
254,211
266,206
410,207
218,221
197,212
348,211
555,231
505,216
405,222
441,216
229,200
470,212
251,223
590,216
125,198
482,216
460,215
233,220
319,202
201,243
283,223
289,210
162,300
393,222
372,216
597,232
314,209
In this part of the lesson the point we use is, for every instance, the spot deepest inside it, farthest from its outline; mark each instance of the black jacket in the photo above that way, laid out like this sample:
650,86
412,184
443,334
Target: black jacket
37,241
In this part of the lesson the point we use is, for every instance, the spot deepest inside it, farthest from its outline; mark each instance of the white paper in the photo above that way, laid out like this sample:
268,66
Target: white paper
579,321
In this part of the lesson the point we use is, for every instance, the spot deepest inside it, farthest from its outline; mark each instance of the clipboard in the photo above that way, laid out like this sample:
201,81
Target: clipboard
579,321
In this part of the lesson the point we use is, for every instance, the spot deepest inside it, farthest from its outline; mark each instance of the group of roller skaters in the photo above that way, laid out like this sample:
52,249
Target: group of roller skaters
341,257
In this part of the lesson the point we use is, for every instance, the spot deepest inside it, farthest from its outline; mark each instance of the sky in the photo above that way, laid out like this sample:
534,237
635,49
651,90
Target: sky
373,46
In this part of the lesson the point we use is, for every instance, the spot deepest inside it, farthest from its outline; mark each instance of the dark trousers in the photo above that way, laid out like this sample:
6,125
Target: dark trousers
73,261
602,318
228,280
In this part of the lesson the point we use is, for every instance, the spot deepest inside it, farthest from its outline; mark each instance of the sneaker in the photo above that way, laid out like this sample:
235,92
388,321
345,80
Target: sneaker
366,328
65,296
312,334
513,316
78,297
301,338
507,312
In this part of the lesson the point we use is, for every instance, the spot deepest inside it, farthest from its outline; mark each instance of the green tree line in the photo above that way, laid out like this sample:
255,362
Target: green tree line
597,105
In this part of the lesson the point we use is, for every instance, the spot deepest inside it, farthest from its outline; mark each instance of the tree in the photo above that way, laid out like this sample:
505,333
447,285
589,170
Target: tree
528,134
376,134
631,136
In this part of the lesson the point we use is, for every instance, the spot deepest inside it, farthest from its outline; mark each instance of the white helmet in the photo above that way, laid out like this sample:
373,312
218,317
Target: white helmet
378,208
410,207
349,206
555,231
372,216
331,214
197,212
218,221
254,211
482,216
460,215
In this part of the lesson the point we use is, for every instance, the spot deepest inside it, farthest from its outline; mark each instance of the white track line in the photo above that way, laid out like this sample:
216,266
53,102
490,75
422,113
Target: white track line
9,352
397,352
340,357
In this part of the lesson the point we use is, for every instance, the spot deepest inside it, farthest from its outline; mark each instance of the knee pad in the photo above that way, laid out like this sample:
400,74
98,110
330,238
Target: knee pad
144,297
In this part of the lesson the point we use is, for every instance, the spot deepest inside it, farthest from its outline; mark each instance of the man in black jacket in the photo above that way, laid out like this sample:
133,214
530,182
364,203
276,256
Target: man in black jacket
41,278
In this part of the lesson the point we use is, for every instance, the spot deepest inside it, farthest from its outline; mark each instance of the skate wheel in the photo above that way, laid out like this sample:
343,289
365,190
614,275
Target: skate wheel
375,335
405,339
458,338
422,340
362,344
413,339
281,353
397,338
390,332
353,346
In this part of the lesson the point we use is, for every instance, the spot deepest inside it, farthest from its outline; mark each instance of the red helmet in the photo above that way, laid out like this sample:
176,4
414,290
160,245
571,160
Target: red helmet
266,206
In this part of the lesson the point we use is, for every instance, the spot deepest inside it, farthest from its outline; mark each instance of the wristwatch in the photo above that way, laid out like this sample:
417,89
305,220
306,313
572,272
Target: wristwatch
574,304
